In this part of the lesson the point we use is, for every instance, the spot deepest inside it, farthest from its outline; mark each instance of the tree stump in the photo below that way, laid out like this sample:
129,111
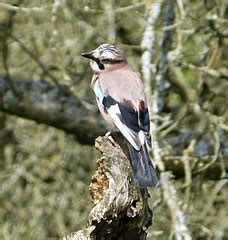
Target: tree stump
121,208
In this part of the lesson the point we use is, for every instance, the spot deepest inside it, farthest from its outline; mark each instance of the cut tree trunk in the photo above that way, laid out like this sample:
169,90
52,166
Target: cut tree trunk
121,208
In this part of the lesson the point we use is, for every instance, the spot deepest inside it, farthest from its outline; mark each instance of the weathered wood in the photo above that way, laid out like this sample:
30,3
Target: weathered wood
121,209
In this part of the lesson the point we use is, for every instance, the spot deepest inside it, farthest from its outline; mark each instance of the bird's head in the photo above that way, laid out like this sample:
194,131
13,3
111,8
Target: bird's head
106,56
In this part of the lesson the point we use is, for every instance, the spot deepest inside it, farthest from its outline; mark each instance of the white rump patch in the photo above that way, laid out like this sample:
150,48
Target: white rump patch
141,137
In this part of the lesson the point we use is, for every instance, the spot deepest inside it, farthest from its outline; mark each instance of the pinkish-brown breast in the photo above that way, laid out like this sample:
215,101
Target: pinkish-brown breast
123,85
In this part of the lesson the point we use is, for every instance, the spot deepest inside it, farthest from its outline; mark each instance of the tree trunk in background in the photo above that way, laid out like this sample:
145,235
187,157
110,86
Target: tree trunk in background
52,105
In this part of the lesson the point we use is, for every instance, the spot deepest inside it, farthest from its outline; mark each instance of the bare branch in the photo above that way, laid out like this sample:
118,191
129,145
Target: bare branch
110,16
6,27
45,103
221,73
161,76
179,222
117,10
147,45
180,228
21,9
129,8
36,59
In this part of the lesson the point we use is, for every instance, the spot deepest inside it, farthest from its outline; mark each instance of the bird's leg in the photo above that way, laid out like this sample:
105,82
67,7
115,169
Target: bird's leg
111,135
107,134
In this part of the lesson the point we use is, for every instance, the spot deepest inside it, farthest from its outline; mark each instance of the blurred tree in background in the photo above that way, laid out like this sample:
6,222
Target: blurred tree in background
45,168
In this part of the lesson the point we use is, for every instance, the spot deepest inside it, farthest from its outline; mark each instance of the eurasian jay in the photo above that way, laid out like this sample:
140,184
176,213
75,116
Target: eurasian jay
122,102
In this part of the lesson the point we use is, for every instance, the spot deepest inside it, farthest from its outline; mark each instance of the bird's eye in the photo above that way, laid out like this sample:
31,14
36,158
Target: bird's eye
106,60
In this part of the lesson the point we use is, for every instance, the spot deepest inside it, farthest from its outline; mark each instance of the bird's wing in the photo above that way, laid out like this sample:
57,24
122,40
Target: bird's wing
131,120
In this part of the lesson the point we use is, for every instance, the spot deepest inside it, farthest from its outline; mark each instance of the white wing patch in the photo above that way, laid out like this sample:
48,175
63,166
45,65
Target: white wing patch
133,138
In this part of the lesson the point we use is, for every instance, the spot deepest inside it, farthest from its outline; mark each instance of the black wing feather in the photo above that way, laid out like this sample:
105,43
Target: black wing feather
144,120
128,116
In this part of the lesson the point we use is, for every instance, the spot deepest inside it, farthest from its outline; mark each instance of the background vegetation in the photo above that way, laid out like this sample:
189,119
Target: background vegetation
45,170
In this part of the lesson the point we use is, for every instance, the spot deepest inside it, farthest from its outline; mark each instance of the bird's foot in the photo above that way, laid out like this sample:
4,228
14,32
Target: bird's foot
110,138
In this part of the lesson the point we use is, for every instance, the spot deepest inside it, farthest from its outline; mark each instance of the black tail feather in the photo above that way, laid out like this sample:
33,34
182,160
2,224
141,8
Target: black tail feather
142,166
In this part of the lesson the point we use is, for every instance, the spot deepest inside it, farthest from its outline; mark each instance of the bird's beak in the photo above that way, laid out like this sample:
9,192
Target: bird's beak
91,55
94,55
87,55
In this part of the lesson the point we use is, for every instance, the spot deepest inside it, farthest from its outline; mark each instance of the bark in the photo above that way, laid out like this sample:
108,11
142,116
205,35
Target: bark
121,209
161,82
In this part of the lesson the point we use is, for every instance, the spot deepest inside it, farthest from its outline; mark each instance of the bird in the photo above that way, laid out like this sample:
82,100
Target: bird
122,102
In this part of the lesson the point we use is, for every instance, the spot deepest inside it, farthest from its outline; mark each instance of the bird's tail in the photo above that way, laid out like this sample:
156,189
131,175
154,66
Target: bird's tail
142,166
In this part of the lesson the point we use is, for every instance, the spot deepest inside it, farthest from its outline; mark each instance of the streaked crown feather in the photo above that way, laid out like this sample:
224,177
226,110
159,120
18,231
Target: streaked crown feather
111,52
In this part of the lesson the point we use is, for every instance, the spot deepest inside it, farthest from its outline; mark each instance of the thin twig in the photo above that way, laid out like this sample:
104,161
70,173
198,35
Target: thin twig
120,10
7,28
218,187
221,73
129,8
215,156
36,59
21,9
188,173
5,65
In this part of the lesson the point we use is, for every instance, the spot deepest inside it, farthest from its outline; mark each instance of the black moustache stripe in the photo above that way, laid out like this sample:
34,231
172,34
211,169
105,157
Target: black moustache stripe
100,65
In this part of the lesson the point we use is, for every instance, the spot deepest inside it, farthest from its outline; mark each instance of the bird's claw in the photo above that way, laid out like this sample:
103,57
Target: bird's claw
110,138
